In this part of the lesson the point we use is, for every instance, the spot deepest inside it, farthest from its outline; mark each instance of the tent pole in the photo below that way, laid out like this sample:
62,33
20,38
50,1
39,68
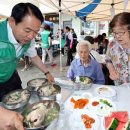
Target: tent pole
84,28
61,68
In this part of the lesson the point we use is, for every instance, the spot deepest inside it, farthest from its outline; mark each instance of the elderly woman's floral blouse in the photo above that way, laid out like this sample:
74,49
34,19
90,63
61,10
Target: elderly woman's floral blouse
120,58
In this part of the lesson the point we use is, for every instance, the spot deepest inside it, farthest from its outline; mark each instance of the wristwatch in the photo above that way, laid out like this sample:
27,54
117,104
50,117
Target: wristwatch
47,73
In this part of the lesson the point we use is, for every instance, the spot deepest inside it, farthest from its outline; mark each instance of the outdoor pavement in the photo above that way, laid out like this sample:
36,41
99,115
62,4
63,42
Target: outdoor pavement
34,72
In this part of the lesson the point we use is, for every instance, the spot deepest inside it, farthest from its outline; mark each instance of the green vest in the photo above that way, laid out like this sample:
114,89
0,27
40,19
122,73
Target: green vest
62,42
44,36
8,60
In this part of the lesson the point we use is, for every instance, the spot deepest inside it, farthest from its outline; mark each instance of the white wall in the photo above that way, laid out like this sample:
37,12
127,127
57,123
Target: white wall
76,23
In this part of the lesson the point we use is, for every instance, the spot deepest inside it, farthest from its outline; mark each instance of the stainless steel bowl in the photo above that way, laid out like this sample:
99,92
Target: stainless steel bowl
48,91
52,106
16,99
34,84
82,83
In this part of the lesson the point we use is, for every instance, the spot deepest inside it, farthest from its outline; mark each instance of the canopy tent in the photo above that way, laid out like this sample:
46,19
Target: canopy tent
46,6
100,13
86,10
48,23
67,6
107,9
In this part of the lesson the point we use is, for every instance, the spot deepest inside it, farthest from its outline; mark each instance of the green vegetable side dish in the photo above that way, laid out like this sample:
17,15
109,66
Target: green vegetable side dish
82,79
105,102
17,95
52,114
85,80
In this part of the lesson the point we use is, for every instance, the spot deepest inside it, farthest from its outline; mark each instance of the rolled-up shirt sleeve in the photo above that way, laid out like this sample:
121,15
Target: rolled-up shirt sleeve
31,52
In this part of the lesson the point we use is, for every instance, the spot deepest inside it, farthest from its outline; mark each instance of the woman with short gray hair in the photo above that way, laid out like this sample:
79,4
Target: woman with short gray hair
84,43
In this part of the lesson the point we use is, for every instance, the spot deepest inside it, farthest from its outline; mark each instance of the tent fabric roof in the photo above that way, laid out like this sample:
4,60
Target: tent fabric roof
48,23
67,6
46,6
88,9
102,11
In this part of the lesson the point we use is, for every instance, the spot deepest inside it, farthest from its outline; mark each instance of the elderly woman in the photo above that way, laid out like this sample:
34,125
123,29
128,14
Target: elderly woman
118,60
85,66
93,53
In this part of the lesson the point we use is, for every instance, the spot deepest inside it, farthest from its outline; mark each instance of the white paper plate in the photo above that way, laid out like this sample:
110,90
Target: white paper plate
70,105
105,91
87,95
76,123
102,109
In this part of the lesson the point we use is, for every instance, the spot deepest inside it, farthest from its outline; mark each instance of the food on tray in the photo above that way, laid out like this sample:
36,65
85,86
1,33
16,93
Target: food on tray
105,107
83,119
40,114
123,126
37,82
52,113
87,120
95,103
120,115
105,102
34,84
83,80
101,106
80,103
117,121
105,91
37,115
17,97
111,123
47,90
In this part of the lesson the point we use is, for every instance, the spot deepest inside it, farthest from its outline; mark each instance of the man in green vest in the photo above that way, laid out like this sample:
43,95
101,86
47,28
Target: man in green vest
16,38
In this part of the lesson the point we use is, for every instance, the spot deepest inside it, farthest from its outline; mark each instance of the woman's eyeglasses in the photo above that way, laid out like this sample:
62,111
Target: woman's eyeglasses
115,34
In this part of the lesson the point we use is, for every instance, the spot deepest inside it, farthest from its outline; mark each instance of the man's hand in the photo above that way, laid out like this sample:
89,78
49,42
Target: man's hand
50,78
10,120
